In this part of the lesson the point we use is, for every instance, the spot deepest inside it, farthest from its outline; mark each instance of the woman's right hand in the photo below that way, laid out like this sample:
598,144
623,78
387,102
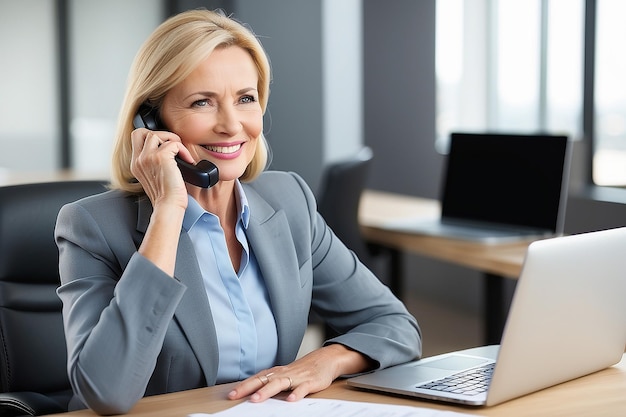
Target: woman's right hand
154,166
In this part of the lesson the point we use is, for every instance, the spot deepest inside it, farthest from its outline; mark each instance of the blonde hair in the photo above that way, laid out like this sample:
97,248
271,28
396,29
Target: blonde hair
166,58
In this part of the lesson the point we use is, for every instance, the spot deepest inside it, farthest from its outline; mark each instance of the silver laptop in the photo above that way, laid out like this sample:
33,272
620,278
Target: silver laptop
500,187
567,319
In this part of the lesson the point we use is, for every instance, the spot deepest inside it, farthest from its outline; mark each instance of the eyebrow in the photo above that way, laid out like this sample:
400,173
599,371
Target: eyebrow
213,94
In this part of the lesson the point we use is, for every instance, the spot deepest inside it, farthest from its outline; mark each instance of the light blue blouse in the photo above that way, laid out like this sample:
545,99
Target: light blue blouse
245,325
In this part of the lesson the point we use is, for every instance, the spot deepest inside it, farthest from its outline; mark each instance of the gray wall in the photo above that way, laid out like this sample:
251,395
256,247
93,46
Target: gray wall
399,95
291,34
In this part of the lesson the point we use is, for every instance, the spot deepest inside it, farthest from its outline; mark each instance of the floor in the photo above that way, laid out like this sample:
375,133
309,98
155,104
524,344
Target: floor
444,327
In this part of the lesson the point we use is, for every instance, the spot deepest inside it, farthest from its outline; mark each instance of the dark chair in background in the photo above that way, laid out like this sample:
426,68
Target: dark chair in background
33,375
338,198
339,195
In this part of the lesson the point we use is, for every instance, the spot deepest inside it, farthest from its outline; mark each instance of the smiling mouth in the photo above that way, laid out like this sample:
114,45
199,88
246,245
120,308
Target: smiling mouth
223,149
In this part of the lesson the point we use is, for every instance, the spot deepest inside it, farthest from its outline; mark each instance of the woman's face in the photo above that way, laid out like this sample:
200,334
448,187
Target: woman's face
216,111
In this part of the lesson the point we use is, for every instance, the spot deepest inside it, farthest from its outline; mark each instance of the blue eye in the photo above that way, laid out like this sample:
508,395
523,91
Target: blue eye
248,99
200,103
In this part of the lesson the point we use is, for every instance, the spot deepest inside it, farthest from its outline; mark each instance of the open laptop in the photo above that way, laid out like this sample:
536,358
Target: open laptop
567,319
499,187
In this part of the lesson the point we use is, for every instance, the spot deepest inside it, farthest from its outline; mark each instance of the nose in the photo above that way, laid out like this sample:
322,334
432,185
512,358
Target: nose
227,121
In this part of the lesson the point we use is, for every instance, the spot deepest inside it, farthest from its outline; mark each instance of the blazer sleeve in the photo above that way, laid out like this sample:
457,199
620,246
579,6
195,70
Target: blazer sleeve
113,339
344,292
368,317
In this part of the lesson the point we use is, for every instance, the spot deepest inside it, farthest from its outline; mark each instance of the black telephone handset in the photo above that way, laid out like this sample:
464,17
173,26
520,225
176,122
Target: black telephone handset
204,174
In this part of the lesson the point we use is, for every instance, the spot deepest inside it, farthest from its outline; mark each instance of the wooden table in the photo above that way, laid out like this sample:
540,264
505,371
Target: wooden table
598,394
498,261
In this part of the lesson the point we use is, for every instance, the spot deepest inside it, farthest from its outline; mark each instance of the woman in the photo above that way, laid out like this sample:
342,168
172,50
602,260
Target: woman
167,286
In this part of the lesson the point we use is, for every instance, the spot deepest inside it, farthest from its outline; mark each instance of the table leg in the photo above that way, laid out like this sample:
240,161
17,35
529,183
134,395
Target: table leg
391,270
397,272
495,308
495,311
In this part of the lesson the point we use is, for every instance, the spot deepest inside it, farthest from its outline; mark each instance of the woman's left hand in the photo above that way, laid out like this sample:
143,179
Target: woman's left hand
309,374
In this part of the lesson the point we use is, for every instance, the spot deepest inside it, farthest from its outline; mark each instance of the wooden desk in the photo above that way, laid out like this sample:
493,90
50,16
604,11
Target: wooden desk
601,393
377,208
497,261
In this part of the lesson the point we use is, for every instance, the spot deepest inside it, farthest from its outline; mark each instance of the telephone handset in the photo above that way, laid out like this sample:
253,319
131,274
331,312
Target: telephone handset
204,174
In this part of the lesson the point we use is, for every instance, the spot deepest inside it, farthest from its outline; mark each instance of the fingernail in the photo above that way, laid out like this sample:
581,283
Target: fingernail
291,397
232,394
255,397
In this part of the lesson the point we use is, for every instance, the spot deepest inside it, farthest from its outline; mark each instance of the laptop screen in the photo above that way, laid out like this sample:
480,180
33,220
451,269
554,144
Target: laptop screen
506,178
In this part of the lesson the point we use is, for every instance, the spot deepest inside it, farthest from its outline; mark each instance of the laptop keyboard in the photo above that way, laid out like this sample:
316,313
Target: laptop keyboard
471,382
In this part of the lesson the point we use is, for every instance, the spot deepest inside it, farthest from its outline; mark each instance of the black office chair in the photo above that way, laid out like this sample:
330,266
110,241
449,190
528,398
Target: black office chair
342,184
338,201
33,356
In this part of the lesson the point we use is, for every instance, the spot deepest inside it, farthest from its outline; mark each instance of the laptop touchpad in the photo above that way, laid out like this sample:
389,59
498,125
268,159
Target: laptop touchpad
455,363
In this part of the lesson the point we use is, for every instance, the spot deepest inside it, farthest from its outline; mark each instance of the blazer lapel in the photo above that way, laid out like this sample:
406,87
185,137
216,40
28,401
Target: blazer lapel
270,237
193,314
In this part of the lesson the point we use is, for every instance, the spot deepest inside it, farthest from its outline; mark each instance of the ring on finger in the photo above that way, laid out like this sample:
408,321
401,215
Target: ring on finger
290,388
265,378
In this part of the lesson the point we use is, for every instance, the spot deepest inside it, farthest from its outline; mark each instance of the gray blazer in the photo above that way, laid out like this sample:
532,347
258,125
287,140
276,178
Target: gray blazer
132,330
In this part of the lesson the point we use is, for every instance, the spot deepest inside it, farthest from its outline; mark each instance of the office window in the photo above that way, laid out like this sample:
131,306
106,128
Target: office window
609,159
516,65
508,65
29,120
101,55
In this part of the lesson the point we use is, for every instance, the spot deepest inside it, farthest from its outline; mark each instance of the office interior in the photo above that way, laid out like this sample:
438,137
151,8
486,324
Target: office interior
346,73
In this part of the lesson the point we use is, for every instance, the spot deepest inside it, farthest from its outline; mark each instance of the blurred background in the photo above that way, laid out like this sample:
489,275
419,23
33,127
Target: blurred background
395,75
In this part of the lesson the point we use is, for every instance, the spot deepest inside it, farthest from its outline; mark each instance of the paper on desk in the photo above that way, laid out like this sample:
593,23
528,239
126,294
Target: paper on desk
312,407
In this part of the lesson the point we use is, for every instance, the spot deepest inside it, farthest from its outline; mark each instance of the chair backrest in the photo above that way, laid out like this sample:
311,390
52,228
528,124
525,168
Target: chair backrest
33,352
339,196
